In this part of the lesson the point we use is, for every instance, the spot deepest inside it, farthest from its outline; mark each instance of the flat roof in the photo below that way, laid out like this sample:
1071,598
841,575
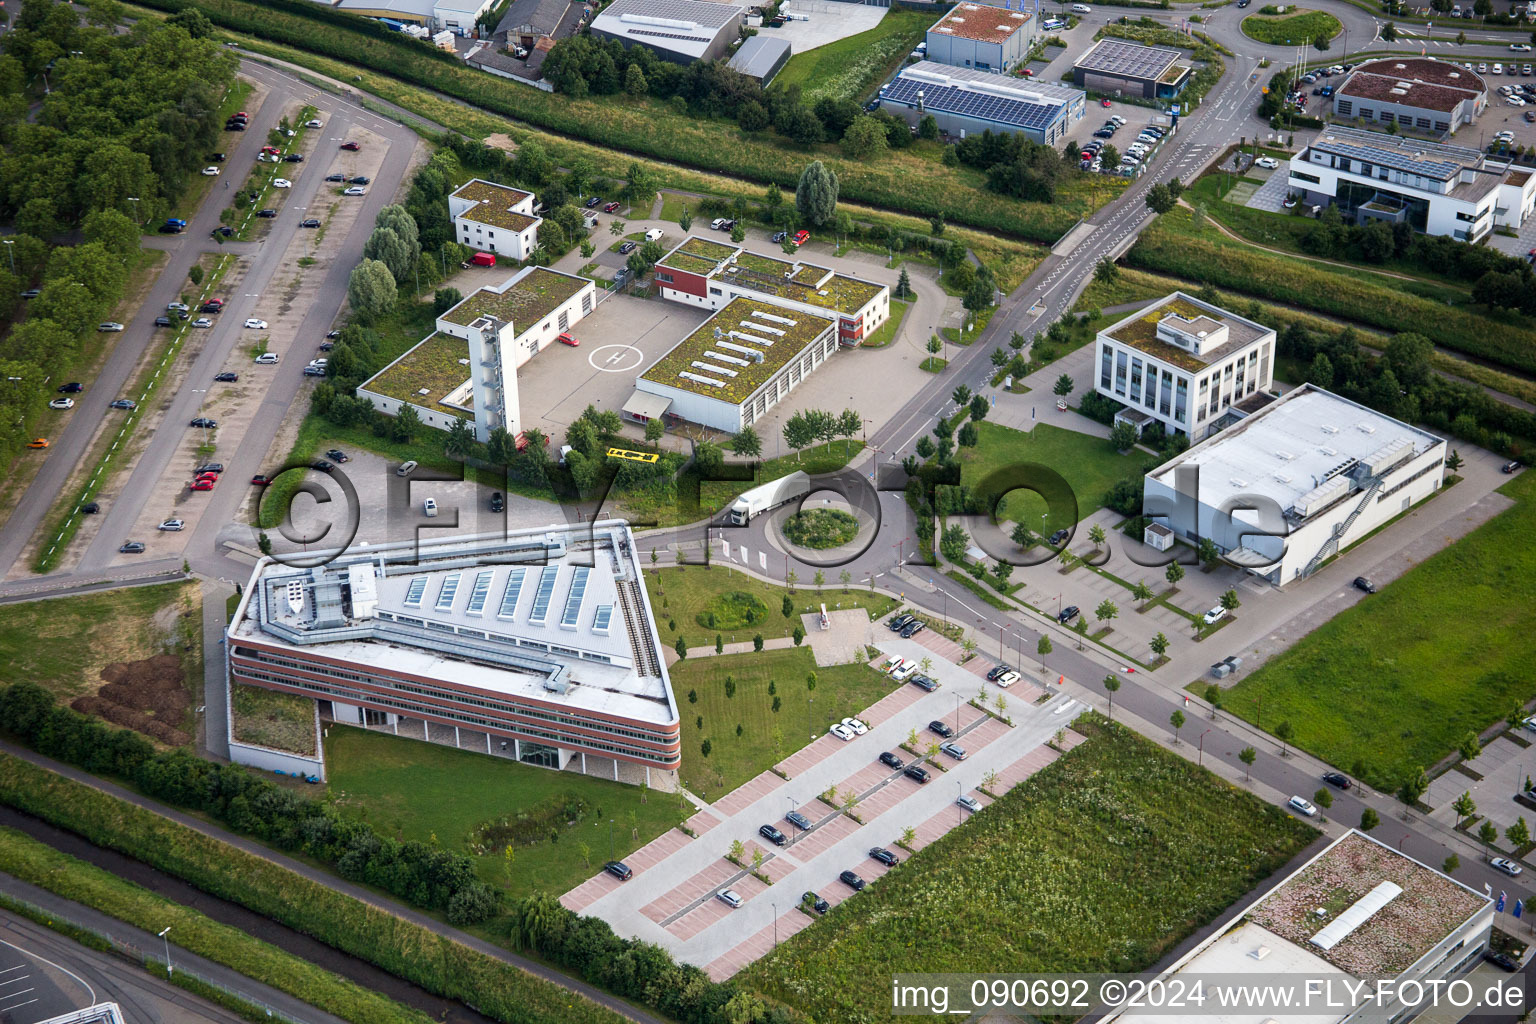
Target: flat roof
534,613
682,26
1126,59
970,93
419,9
1139,330
523,300
981,22
747,328
1427,159
758,55
1293,445
493,204
1423,69
794,280
439,363
1422,95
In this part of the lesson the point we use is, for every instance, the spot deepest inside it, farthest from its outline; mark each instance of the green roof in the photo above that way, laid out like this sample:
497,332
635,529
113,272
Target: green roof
804,329
1141,332
494,204
524,304
795,281
433,364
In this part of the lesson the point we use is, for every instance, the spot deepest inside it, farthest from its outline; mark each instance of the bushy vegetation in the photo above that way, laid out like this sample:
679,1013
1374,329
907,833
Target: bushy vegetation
415,872
1015,166
735,609
850,68
821,528
1292,29
1113,855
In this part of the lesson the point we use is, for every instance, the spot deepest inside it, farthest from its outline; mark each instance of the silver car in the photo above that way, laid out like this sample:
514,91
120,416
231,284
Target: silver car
969,802
173,526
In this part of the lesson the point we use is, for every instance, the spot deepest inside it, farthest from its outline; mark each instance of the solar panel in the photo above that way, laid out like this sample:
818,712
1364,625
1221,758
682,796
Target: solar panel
602,618
445,596
514,591
414,591
1027,114
1130,60
543,594
478,595
573,599
1439,169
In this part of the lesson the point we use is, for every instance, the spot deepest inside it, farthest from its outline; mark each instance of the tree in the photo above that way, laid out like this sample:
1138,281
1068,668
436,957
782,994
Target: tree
654,428
845,577
1096,535
816,195
406,424
1209,556
1471,746
371,290
1022,536
1159,645
1064,385
1229,600
790,579
1177,721
1159,200
788,606
979,408
1453,461
924,447
1106,610
686,220
952,543
1413,786
961,395
1519,835
1452,862
1464,807
934,346
1369,819
1284,732
461,439
864,138
1247,755
979,295
746,442
798,636
903,285
1112,684
1389,32
1323,798
634,81
1461,39
720,649
1488,833
1122,436
681,647
849,422
1141,592
1408,356
1174,573
928,128
1043,648
798,433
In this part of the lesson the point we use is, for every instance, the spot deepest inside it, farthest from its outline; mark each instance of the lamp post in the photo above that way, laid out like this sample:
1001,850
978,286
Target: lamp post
1201,762
610,840
808,720
163,935
959,811
775,907
202,391
11,251
957,714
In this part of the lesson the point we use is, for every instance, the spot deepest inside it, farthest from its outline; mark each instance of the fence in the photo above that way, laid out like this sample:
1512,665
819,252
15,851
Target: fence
154,964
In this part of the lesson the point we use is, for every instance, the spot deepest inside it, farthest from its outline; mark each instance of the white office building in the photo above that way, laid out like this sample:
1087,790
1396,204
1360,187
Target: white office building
1183,363
1356,913
1435,188
1295,482
494,218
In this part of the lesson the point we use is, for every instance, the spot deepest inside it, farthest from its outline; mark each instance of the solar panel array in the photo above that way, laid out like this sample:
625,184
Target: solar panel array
513,592
1127,60
445,596
998,109
541,596
414,591
573,599
1441,170
478,595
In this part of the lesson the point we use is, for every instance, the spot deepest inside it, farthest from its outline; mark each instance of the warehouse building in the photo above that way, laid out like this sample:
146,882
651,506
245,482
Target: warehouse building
968,102
456,16
538,645
1121,68
1417,93
981,36
1295,482
467,368
681,31
708,274
1435,188
1183,363
494,218
735,366
761,57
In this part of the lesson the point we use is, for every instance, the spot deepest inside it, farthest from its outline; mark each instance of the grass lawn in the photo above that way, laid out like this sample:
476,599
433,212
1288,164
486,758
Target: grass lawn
1103,861
416,790
767,737
1397,681
933,364
849,68
1088,464
684,596
40,640
887,332
284,721
1291,29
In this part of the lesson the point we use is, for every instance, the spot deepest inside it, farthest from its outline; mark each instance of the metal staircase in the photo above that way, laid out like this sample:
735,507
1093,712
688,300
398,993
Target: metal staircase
1330,547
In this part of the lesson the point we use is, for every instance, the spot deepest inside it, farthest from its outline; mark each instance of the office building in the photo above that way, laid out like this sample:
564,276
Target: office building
1416,93
965,102
494,218
1120,68
536,644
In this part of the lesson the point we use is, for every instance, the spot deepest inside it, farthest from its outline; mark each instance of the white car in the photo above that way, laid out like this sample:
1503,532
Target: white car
202,322
319,363
62,403
1301,806
172,526
1498,69
1007,679
1520,47
312,123
282,183
267,358
841,731
111,326
177,307
355,190
1214,616
858,727
902,671
210,172
1505,865
1267,162
729,897
256,325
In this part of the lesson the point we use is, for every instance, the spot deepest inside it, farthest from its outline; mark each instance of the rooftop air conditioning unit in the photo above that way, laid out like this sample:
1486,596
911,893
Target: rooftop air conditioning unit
423,391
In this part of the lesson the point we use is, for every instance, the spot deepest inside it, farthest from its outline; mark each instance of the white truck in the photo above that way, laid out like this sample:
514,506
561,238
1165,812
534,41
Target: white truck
770,495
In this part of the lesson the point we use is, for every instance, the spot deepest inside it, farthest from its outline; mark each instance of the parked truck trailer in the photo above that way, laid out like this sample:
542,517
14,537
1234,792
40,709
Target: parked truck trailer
769,496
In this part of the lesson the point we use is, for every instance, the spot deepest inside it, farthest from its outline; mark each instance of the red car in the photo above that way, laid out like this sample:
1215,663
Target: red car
205,484
610,208
1028,73
354,147
801,237
260,480
566,339
1104,103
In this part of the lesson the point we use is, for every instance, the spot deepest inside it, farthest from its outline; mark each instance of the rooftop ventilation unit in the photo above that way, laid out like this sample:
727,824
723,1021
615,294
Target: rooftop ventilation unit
463,362
712,382
1365,428
1330,452
774,318
733,360
1359,912
1284,455
699,364
1238,481
753,354
1329,428
423,391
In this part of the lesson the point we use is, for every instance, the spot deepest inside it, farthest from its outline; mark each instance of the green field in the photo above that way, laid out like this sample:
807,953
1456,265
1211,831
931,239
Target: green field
767,736
284,721
850,68
685,597
1291,30
1397,681
1103,861
416,790
1088,464
39,640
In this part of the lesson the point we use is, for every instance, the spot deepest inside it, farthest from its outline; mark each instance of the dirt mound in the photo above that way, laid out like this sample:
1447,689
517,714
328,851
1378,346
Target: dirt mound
148,696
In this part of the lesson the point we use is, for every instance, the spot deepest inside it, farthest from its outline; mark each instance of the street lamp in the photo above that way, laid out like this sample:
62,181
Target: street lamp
11,251
610,840
808,726
775,907
168,967
1201,762
959,810
957,714
202,391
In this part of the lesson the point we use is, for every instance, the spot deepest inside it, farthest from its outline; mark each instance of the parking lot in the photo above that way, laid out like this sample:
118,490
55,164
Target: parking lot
671,899
1136,119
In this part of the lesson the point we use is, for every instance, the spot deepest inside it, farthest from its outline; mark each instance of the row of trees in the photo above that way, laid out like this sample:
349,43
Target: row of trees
416,872
817,426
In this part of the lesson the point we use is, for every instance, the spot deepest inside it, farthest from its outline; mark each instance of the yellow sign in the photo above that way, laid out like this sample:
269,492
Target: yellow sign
624,453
